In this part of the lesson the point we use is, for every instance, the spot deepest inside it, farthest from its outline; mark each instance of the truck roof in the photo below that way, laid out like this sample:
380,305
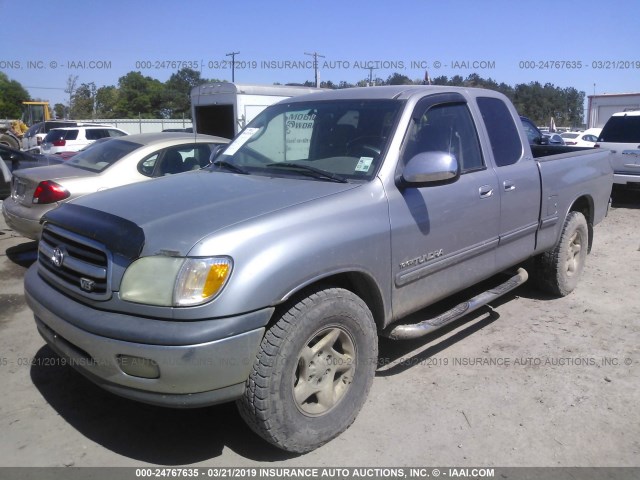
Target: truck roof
390,92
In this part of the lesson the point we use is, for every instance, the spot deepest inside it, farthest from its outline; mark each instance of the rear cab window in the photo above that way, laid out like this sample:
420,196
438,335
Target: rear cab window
503,134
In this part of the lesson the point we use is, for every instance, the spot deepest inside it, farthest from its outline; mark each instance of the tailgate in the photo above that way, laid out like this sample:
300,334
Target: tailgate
628,161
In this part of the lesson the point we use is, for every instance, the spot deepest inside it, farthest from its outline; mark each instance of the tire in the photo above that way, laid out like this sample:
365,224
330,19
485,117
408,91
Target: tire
9,141
313,371
558,271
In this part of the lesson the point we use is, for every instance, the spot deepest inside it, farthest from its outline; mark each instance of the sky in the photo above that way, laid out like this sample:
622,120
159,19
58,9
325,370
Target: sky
593,46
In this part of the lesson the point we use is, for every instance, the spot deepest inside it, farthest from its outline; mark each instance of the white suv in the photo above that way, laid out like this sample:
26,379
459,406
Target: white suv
72,139
33,137
621,134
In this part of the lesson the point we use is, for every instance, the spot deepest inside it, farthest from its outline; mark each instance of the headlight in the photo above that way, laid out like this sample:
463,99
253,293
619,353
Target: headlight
175,281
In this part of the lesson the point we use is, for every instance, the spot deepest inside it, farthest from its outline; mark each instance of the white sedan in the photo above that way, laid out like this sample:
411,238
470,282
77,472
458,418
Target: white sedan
118,161
579,139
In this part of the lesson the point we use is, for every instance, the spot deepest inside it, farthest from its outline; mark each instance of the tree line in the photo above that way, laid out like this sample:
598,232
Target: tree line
139,96
538,102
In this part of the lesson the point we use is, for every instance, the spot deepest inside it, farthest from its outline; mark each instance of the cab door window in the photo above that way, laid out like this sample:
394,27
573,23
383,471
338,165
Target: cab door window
447,128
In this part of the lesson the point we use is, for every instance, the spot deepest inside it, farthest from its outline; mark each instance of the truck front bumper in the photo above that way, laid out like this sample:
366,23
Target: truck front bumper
181,375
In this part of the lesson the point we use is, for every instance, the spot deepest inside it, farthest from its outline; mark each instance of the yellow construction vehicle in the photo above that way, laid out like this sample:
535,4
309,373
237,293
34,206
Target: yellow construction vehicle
34,112
11,131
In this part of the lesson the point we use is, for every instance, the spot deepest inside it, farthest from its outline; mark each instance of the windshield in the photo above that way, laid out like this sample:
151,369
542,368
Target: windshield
102,156
324,140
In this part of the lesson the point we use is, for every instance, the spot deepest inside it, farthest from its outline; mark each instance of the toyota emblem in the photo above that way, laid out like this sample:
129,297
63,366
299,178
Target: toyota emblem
57,257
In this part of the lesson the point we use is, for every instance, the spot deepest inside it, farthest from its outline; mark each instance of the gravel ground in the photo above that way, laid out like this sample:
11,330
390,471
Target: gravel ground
529,381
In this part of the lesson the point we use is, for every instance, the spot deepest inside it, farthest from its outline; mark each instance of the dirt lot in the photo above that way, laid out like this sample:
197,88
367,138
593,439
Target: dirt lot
531,381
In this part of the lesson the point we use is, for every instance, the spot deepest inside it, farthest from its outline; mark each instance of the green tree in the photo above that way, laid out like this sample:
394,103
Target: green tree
12,94
456,81
59,110
82,101
541,103
106,101
575,111
177,94
536,101
140,96
398,79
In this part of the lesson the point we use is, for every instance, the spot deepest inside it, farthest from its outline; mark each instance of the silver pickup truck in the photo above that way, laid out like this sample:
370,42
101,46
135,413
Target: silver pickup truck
268,277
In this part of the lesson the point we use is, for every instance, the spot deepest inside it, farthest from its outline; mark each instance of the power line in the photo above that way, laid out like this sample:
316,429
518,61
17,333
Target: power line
47,88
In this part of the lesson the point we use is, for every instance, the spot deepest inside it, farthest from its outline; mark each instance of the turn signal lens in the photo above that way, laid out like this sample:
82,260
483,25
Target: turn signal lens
201,279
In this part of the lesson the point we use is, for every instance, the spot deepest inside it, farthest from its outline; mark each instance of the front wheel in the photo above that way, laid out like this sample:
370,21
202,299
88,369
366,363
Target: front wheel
559,270
313,371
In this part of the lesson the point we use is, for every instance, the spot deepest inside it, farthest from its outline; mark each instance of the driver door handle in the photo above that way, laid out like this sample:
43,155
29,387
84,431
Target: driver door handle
486,191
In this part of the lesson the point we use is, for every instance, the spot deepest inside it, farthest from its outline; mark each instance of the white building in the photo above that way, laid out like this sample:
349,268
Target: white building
601,107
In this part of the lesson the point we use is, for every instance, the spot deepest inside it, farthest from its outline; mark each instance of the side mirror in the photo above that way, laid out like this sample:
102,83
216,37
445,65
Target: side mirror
431,168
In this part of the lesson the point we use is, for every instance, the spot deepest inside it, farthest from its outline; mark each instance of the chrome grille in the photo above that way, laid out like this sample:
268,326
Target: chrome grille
74,262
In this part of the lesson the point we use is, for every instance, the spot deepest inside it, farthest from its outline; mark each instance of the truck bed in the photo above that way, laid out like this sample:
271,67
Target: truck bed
540,151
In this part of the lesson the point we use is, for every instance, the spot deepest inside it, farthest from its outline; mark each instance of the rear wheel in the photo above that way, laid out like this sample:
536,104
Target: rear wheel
313,371
559,270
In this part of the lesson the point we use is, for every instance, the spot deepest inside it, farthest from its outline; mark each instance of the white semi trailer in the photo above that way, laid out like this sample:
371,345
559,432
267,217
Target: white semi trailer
223,108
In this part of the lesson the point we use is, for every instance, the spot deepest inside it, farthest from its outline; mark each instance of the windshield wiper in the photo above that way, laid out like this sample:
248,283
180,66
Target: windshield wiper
315,172
230,166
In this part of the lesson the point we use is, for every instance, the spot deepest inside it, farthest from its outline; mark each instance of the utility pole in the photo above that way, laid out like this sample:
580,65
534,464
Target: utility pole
233,64
315,56
92,86
71,87
371,69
